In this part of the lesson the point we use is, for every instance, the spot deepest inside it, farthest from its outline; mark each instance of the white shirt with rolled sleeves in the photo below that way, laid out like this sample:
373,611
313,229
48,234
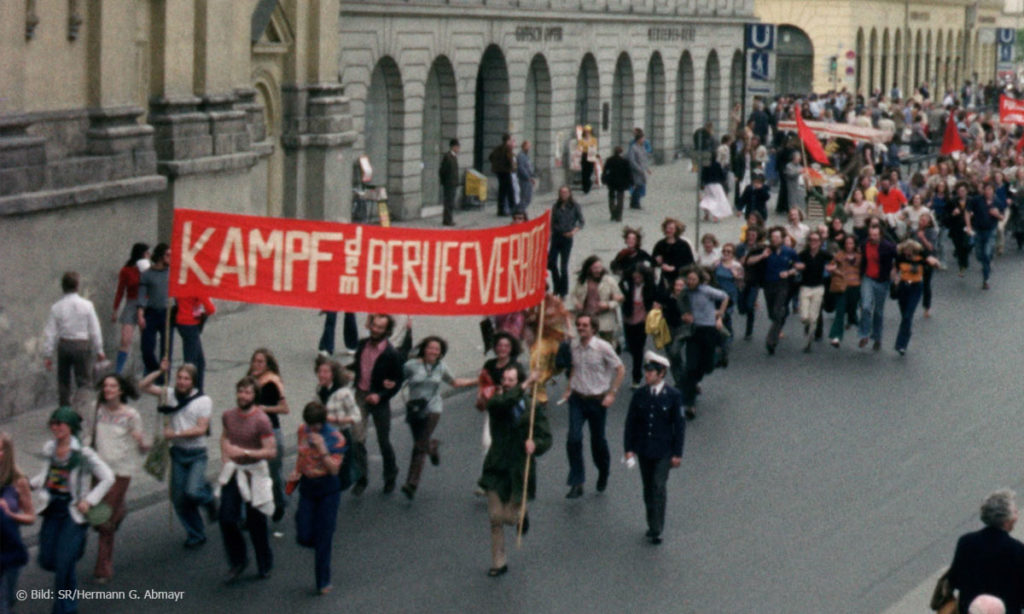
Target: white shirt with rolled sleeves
73,318
594,366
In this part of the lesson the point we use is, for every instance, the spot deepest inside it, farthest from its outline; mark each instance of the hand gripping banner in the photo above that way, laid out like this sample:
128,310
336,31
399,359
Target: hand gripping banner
355,267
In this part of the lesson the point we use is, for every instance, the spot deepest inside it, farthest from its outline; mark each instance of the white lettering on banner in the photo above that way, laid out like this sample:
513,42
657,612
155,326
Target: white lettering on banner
467,274
272,246
232,247
188,254
317,256
291,255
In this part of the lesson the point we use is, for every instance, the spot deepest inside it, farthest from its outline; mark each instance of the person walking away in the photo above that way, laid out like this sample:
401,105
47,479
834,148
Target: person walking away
378,369
502,160
502,476
189,412
877,255
65,499
73,331
595,378
118,439
639,165
566,221
128,289
990,561
246,489
526,175
321,454
423,376
588,150
151,311
617,177
192,313
654,435
449,176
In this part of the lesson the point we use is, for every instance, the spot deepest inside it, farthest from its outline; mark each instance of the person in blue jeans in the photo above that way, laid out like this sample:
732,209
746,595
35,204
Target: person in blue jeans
911,266
985,213
320,453
877,256
566,221
66,497
188,413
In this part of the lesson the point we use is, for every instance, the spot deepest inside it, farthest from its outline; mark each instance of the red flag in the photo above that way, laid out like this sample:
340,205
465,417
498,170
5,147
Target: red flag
951,139
811,142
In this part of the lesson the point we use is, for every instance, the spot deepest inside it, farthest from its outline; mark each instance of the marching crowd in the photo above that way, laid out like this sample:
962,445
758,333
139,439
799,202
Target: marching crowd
884,236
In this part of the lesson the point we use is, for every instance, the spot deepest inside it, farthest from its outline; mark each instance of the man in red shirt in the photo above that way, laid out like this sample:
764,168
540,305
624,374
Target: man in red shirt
889,198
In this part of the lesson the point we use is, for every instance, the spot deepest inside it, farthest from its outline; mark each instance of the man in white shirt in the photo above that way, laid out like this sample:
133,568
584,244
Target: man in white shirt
74,331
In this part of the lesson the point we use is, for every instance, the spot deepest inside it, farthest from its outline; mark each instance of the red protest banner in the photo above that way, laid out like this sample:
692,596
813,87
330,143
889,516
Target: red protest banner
1011,110
355,267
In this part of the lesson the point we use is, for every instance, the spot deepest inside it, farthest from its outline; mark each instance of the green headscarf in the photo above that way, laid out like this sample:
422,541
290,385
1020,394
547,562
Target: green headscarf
68,416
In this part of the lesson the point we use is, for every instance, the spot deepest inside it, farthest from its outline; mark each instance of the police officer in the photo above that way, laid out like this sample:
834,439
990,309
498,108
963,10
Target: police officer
654,435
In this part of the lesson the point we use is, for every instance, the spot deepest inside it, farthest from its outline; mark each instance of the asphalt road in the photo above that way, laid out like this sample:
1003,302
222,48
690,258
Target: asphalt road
831,482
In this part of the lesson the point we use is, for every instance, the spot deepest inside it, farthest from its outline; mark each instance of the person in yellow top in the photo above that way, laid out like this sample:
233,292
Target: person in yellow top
587,147
911,261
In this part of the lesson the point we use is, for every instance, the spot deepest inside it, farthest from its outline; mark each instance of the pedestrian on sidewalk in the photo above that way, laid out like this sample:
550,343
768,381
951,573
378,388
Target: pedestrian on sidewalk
566,221
66,500
526,175
653,436
128,289
423,376
588,150
189,412
73,331
335,392
321,454
617,177
378,374
245,486
639,164
595,377
16,509
504,466
118,438
151,311
192,314
263,367
449,175
989,561
503,161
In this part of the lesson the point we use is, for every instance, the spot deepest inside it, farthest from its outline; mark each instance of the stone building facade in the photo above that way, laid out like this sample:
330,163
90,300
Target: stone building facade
939,42
420,73
113,113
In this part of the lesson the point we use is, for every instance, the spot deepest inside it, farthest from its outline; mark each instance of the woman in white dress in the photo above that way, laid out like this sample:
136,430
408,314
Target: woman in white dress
714,202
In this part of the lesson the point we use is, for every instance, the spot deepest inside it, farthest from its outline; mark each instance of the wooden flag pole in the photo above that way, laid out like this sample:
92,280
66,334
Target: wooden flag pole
167,384
533,410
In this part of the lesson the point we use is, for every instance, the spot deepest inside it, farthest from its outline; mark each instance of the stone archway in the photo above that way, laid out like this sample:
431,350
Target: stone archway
654,107
491,113
537,118
385,119
440,125
713,92
588,94
622,103
794,61
684,102
859,61
736,83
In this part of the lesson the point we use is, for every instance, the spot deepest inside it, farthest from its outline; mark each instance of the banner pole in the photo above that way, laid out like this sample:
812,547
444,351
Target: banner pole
166,420
533,409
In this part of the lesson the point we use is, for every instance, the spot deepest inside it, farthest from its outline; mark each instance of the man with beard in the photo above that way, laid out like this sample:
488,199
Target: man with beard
246,443
378,375
597,295
188,411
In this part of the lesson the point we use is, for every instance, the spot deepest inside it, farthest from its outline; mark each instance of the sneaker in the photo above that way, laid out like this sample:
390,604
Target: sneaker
984,285
835,342
234,573
877,346
901,351
389,486
863,343
435,453
770,348
192,544
409,491
602,482
575,492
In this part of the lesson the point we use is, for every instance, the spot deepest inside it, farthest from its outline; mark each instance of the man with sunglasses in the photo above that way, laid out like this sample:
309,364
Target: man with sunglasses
653,436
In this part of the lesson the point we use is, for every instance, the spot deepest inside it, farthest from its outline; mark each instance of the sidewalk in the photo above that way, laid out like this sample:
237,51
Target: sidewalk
292,334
